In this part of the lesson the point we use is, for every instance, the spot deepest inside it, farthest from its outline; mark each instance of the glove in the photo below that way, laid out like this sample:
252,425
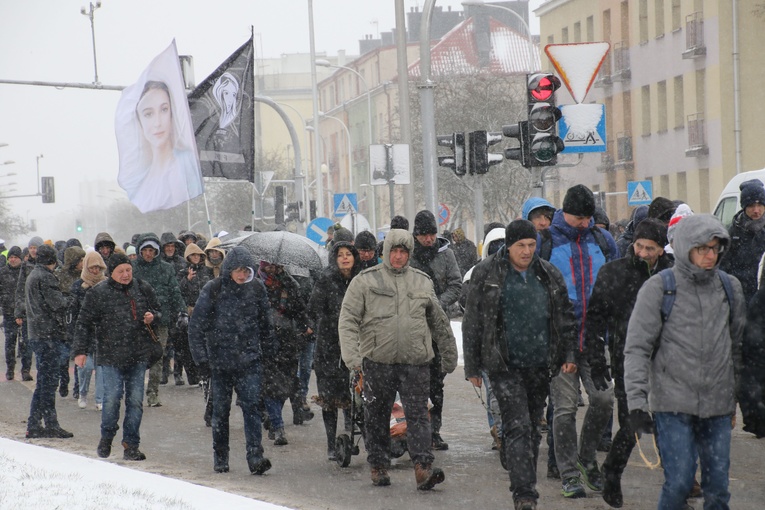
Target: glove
640,422
600,377
183,321
203,369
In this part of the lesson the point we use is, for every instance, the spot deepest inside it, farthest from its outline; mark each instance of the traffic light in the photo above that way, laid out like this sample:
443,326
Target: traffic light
520,132
456,141
480,157
78,226
48,190
543,141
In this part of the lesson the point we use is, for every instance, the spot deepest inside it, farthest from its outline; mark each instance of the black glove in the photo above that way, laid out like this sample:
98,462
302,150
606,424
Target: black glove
183,321
640,422
203,369
600,377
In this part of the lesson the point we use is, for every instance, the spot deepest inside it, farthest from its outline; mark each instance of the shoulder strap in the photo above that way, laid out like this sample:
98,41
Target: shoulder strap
545,251
670,290
602,242
728,288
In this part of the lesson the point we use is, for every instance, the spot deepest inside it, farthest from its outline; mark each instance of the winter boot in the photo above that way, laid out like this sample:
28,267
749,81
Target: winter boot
258,466
525,504
438,443
26,376
220,461
280,439
297,415
104,448
57,432
427,477
380,477
132,452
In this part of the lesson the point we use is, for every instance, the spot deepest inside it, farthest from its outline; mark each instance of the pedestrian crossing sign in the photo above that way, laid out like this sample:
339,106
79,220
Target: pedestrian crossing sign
639,192
345,203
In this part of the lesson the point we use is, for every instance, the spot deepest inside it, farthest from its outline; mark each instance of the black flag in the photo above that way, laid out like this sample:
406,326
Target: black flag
224,117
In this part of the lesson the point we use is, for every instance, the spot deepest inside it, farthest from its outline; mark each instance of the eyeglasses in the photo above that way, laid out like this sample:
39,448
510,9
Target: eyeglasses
704,249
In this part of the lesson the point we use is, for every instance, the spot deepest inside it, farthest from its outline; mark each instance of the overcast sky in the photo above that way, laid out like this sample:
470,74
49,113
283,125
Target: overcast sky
49,40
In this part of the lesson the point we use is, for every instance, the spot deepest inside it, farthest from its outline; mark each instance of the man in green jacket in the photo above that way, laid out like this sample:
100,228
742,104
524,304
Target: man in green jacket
389,319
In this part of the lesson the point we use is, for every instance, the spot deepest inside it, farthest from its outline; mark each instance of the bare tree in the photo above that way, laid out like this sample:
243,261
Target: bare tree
14,225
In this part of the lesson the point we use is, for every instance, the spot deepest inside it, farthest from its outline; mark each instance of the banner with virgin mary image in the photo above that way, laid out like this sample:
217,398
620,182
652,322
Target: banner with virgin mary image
224,118
159,165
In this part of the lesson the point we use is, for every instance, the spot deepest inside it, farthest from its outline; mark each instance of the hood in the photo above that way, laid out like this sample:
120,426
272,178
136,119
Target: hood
496,234
192,249
534,203
102,238
72,256
397,237
167,238
694,231
73,242
214,245
143,239
237,257
333,256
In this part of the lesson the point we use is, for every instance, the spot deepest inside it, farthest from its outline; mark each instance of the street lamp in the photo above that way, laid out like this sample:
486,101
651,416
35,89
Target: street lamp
481,3
89,14
327,63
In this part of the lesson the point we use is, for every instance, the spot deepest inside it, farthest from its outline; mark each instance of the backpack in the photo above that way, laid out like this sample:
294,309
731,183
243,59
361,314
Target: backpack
545,250
670,290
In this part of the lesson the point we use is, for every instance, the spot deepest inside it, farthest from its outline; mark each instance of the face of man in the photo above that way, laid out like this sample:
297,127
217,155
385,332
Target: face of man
188,240
705,256
648,250
755,211
105,250
521,253
240,275
14,261
540,218
578,222
169,250
366,255
123,274
398,257
214,256
148,253
426,240
33,252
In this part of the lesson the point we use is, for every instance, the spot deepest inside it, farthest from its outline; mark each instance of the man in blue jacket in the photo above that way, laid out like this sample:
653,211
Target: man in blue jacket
230,336
578,249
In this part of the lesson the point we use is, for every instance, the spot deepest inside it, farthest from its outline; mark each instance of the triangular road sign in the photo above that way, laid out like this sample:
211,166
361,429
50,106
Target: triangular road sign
578,64
640,194
345,207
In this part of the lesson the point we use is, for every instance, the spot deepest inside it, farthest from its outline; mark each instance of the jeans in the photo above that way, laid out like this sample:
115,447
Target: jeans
64,368
304,369
565,396
521,394
84,374
273,406
381,382
247,384
680,436
119,381
493,413
155,371
49,353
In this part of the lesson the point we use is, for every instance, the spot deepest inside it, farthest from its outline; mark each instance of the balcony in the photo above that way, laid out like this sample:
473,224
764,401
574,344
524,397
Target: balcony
694,36
621,55
604,74
697,136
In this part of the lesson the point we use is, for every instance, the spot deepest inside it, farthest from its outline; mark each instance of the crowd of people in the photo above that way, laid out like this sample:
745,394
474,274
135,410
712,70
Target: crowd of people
664,318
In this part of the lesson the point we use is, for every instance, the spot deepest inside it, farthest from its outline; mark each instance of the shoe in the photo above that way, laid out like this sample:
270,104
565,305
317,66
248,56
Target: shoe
99,407
63,390
580,402
612,491
25,376
605,444
695,490
260,466
104,448
35,432
380,477
153,401
179,381
427,477
525,504
307,414
76,393
331,455
553,473
56,432
132,453
163,380
297,416
82,402
220,462
9,375
279,438
438,443
573,488
591,475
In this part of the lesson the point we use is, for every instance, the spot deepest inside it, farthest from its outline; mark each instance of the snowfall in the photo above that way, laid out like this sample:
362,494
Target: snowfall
33,477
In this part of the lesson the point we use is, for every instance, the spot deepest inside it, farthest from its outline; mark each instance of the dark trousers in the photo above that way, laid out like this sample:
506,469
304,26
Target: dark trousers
521,394
183,356
247,384
11,330
43,405
624,440
436,391
381,382
25,349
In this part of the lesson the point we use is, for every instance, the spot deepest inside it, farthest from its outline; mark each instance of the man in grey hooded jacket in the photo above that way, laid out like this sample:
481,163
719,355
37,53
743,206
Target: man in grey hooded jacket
685,370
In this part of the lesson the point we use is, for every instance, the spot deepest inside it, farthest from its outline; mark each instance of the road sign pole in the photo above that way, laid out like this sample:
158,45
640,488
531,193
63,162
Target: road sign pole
478,201
390,175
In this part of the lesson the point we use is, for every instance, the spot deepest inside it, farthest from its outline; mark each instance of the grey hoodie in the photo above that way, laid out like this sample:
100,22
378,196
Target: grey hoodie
697,364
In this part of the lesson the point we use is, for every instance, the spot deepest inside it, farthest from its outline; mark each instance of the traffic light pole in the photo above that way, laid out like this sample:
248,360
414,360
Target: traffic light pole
427,112
478,208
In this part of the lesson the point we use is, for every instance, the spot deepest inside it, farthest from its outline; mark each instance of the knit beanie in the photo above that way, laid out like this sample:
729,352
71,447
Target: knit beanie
46,255
365,241
662,209
399,222
343,235
36,241
425,223
115,260
653,230
518,230
579,201
15,251
752,191
600,217
682,211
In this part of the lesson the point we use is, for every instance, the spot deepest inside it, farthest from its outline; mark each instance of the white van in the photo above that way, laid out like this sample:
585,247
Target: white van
728,203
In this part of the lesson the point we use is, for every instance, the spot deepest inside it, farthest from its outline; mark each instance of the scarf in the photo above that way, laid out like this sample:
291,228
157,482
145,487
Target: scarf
753,225
92,258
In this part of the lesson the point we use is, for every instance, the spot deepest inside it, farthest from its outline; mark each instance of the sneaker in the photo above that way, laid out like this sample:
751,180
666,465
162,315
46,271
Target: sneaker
25,376
438,443
104,448
132,453
525,504
56,432
380,477
153,401
573,488
82,402
591,475
99,407
260,466
553,473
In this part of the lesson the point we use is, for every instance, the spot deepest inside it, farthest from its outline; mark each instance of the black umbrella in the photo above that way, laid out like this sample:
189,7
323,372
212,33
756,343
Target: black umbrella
283,248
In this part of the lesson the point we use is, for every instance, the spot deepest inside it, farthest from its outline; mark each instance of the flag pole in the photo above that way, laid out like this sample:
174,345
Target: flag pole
207,212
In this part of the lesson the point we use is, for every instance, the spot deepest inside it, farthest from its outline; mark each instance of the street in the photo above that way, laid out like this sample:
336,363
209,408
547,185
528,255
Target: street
178,445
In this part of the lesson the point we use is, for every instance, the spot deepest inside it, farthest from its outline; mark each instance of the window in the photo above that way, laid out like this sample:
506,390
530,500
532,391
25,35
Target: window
645,109
591,29
659,6
643,20
564,35
664,181
577,32
677,19
704,188
682,186
661,93
678,102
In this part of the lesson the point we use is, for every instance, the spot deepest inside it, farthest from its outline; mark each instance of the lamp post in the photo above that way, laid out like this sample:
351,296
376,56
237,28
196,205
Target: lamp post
481,3
327,63
90,14
315,101
348,136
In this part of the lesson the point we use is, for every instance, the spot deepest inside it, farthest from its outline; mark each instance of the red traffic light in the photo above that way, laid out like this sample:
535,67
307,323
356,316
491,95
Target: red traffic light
541,87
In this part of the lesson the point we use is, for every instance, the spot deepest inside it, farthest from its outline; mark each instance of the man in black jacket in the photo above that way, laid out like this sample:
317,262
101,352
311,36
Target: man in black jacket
45,307
519,327
20,309
9,276
115,321
611,303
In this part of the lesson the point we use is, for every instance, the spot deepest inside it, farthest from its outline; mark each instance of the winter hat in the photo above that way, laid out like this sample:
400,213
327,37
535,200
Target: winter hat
518,230
652,229
681,212
187,233
579,201
343,235
151,243
662,209
365,241
600,217
752,191
491,226
115,260
399,222
36,241
46,255
15,251
425,223
130,250
639,214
